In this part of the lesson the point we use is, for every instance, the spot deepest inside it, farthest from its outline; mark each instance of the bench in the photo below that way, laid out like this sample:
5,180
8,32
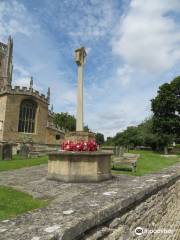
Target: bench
127,159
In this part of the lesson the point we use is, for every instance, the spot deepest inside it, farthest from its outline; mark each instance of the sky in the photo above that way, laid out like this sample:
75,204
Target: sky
133,46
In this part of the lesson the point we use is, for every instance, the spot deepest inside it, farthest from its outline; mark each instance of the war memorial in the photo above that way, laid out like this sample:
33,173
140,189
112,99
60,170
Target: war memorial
85,200
80,166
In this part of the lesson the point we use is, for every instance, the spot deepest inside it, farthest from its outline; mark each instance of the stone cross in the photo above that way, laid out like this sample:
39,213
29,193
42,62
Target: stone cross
80,55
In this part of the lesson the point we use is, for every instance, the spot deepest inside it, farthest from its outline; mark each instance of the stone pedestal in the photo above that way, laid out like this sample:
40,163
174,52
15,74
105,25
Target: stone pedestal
79,136
79,166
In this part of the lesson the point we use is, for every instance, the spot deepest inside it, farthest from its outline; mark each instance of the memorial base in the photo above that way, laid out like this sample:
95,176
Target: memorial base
79,136
79,166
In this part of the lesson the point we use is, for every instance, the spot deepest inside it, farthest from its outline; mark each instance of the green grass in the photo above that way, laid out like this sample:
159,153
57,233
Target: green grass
17,163
14,202
149,162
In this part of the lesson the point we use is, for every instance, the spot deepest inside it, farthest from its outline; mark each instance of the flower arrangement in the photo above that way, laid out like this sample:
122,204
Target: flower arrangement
80,146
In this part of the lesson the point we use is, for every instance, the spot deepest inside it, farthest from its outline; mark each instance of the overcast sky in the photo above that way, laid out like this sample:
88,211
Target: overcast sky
133,47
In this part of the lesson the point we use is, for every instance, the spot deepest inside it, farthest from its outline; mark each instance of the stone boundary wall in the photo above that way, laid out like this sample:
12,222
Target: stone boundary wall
110,210
156,216
23,90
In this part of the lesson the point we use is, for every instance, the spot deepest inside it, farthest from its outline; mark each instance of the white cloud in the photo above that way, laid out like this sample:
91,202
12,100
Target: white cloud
35,54
14,19
115,93
124,75
86,21
22,76
148,37
25,82
115,116
21,71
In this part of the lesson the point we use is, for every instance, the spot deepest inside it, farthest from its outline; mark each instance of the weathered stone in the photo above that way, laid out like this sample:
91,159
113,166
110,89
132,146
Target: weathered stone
5,151
115,223
42,129
79,136
24,150
79,166
99,234
86,219
80,55
117,234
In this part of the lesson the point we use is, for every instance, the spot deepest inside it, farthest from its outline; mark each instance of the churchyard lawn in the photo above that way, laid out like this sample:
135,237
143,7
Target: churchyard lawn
149,162
14,202
17,163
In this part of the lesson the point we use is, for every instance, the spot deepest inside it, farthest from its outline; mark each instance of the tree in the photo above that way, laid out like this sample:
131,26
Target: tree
65,120
99,138
86,128
109,141
141,135
129,137
149,137
166,109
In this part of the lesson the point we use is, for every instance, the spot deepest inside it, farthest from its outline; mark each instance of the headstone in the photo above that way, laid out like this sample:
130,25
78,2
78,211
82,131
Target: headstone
24,150
121,151
5,151
116,151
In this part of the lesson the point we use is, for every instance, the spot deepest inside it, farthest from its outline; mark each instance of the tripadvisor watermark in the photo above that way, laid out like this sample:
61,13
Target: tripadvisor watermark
140,231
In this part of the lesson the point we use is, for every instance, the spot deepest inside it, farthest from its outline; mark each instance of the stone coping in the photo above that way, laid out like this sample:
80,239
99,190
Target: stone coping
73,153
77,208
18,90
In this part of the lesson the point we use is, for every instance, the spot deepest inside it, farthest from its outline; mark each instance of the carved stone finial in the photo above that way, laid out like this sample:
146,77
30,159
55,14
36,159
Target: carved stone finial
31,83
48,95
80,55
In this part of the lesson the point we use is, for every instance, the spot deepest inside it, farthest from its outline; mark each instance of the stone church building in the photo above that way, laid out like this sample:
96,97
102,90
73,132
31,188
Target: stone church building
24,113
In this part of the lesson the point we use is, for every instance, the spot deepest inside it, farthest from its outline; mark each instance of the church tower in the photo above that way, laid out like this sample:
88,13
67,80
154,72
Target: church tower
6,66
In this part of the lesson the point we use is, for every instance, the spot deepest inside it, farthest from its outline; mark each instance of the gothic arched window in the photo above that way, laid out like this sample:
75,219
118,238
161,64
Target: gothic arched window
27,116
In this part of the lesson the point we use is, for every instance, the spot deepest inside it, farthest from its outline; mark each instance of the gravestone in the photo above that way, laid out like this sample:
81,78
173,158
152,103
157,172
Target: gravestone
5,151
24,150
119,151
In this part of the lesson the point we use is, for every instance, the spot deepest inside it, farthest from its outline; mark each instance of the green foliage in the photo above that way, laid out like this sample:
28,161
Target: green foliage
149,162
65,121
14,202
129,137
145,131
133,136
17,163
162,128
109,141
99,138
86,128
166,109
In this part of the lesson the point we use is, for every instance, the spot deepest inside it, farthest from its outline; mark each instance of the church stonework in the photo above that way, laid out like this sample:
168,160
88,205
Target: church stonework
24,113
6,66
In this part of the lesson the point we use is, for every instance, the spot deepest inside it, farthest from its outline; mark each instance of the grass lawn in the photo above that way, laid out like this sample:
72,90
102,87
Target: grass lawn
148,162
14,202
16,162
